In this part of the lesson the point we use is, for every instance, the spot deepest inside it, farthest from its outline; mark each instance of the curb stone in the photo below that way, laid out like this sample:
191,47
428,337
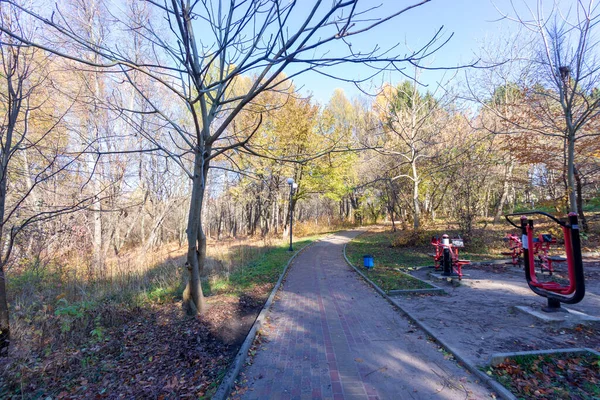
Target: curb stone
434,289
491,383
498,358
228,380
408,292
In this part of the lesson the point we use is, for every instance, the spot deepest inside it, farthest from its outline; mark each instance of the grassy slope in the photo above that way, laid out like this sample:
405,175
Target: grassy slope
264,269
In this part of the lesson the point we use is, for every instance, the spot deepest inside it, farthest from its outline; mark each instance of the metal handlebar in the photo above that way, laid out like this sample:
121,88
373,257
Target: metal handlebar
531,213
554,292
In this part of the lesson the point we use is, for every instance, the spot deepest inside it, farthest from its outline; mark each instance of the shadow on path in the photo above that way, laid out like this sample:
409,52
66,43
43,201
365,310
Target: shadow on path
331,336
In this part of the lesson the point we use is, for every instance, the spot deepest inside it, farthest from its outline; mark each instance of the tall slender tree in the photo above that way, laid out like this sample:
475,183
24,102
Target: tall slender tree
413,123
33,147
563,71
203,49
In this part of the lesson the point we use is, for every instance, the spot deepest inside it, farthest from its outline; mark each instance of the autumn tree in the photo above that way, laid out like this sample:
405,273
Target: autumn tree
35,153
200,53
344,121
562,73
413,123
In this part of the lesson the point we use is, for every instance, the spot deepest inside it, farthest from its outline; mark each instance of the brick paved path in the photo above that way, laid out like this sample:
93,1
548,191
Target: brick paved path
331,336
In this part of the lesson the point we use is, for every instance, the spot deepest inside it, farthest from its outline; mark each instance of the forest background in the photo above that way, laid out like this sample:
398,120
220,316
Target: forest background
126,140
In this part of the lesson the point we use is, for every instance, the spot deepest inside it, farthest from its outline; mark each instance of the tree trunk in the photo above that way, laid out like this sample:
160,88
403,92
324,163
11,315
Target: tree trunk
415,198
505,190
4,317
220,225
355,203
257,216
571,176
193,299
4,321
155,233
579,186
276,215
98,260
14,108
392,209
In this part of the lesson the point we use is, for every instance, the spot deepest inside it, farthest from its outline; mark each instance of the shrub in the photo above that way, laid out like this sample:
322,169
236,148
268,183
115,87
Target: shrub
410,238
592,205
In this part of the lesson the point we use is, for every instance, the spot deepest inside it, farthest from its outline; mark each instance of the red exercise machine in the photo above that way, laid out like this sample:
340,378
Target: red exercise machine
446,256
541,248
515,246
556,293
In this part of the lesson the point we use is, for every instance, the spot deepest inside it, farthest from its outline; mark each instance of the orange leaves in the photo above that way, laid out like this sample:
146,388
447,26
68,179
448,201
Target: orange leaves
551,376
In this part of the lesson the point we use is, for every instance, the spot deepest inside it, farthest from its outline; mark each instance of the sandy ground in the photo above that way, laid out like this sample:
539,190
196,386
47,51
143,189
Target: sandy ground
479,318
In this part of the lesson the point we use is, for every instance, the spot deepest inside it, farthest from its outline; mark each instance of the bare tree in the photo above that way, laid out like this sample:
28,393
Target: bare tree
559,79
31,156
200,55
413,123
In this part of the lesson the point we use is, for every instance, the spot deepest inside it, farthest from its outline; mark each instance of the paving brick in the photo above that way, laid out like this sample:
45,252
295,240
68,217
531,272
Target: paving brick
336,387
334,375
332,337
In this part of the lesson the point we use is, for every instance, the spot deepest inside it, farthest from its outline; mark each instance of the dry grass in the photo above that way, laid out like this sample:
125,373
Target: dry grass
52,334
68,299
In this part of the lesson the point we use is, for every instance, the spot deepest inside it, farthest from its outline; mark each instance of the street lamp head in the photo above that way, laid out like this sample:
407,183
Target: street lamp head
290,181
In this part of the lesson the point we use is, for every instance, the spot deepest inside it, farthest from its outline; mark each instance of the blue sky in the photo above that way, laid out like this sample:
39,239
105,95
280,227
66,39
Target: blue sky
470,22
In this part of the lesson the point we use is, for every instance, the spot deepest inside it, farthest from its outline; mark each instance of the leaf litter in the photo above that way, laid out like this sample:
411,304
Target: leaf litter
156,352
567,376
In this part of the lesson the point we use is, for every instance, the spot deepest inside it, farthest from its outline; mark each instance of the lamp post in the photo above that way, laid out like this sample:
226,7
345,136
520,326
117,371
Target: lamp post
293,186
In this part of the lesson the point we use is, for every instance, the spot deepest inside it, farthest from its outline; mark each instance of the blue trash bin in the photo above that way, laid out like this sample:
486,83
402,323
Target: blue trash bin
368,261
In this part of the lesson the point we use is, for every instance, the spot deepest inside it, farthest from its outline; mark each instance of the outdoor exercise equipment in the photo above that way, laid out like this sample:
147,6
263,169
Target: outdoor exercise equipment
541,248
446,255
515,246
556,292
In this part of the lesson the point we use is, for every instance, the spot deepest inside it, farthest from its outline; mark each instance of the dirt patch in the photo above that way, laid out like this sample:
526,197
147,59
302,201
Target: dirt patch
479,318
231,317
493,268
591,270
155,353
580,336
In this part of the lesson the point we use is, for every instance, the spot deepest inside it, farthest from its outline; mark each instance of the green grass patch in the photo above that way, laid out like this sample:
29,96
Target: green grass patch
265,269
379,245
388,261
592,205
389,278
407,249
553,376
547,208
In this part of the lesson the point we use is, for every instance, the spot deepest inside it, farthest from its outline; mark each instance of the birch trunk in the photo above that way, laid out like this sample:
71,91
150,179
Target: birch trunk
505,190
416,205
